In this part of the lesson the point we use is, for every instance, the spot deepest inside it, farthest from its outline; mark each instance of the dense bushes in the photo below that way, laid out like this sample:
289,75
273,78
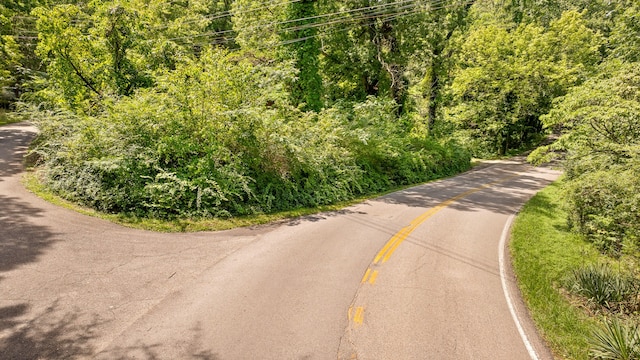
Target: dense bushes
508,74
604,206
216,137
600,121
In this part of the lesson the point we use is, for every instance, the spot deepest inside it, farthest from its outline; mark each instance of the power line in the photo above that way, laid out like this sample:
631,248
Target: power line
380,13
344,14
214,16
345,19
228,13
372,21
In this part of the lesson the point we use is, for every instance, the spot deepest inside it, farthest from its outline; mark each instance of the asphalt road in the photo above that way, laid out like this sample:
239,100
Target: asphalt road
416,274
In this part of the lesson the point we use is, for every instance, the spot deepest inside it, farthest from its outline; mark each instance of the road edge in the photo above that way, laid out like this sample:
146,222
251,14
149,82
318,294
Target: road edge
529,333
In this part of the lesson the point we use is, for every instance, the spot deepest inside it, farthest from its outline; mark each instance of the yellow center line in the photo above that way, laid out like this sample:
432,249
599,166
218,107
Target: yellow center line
374,275
370,276
390,247
366,276
358,316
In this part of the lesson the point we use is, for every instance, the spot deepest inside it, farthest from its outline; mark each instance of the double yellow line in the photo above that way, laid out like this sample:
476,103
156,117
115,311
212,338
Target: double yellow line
385,253
356,314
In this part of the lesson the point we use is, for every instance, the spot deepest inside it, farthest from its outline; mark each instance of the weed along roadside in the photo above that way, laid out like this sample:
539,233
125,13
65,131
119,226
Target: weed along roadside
584,302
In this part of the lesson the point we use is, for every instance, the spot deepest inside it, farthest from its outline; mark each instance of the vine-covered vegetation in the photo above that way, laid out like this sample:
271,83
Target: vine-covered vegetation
217,109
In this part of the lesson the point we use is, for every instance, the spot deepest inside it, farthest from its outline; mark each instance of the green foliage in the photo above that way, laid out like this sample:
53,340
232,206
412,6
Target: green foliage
10,58
507,79
601,286
388,49
102,49
616,341
217,137
625,36
600,121
256,25
17,60
307,88
604,206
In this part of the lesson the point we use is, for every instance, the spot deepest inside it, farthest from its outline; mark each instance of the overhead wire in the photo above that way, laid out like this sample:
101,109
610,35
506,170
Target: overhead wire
213,16
372,21
379,15
384,12
257,27
344,14
227,13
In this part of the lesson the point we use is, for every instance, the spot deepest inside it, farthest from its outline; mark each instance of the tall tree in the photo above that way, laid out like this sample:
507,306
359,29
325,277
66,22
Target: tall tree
508,78
437,52
305,49
101,49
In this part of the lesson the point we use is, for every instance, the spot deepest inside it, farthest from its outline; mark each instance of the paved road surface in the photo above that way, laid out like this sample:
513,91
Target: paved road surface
412,275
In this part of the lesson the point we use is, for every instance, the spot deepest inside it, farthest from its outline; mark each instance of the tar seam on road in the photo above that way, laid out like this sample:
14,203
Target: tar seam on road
514,315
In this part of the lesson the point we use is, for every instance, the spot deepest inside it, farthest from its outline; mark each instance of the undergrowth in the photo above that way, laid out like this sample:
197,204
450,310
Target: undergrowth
584,302
190,148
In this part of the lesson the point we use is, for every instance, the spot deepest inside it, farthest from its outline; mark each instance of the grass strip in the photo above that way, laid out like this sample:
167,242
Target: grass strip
544,252
5,118
32,183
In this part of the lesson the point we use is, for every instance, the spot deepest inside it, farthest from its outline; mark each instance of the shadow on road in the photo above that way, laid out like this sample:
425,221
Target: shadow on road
13,146
493,197
320,216
29,333
191,350
48,335
55,334
21,241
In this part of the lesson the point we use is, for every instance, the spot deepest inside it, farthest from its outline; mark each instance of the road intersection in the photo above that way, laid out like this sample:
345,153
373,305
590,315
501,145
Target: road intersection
416,274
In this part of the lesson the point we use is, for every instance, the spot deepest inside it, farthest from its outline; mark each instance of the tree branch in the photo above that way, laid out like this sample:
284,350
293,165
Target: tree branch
86,81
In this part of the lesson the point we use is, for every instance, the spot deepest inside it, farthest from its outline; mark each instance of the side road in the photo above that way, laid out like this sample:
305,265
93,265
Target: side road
412,275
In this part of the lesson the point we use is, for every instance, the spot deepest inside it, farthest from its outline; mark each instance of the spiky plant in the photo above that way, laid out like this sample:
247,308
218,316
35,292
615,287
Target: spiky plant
616,341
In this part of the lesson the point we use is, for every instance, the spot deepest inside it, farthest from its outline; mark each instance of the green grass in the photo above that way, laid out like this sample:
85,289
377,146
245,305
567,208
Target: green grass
544,253
32,183
5,118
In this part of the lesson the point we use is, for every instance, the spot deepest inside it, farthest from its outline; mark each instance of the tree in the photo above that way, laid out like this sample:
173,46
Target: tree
360,51
257,26
625,35
600,126
436,53
398,49
10,61
507,78
103,49
305,49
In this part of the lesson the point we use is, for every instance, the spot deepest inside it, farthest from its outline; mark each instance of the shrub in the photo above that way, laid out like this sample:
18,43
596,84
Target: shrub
158,155
603,287
616,341
218,138
604,205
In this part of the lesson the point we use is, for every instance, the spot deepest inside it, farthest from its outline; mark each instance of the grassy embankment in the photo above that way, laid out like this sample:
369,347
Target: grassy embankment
32,183
5,118
176,225
544,254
